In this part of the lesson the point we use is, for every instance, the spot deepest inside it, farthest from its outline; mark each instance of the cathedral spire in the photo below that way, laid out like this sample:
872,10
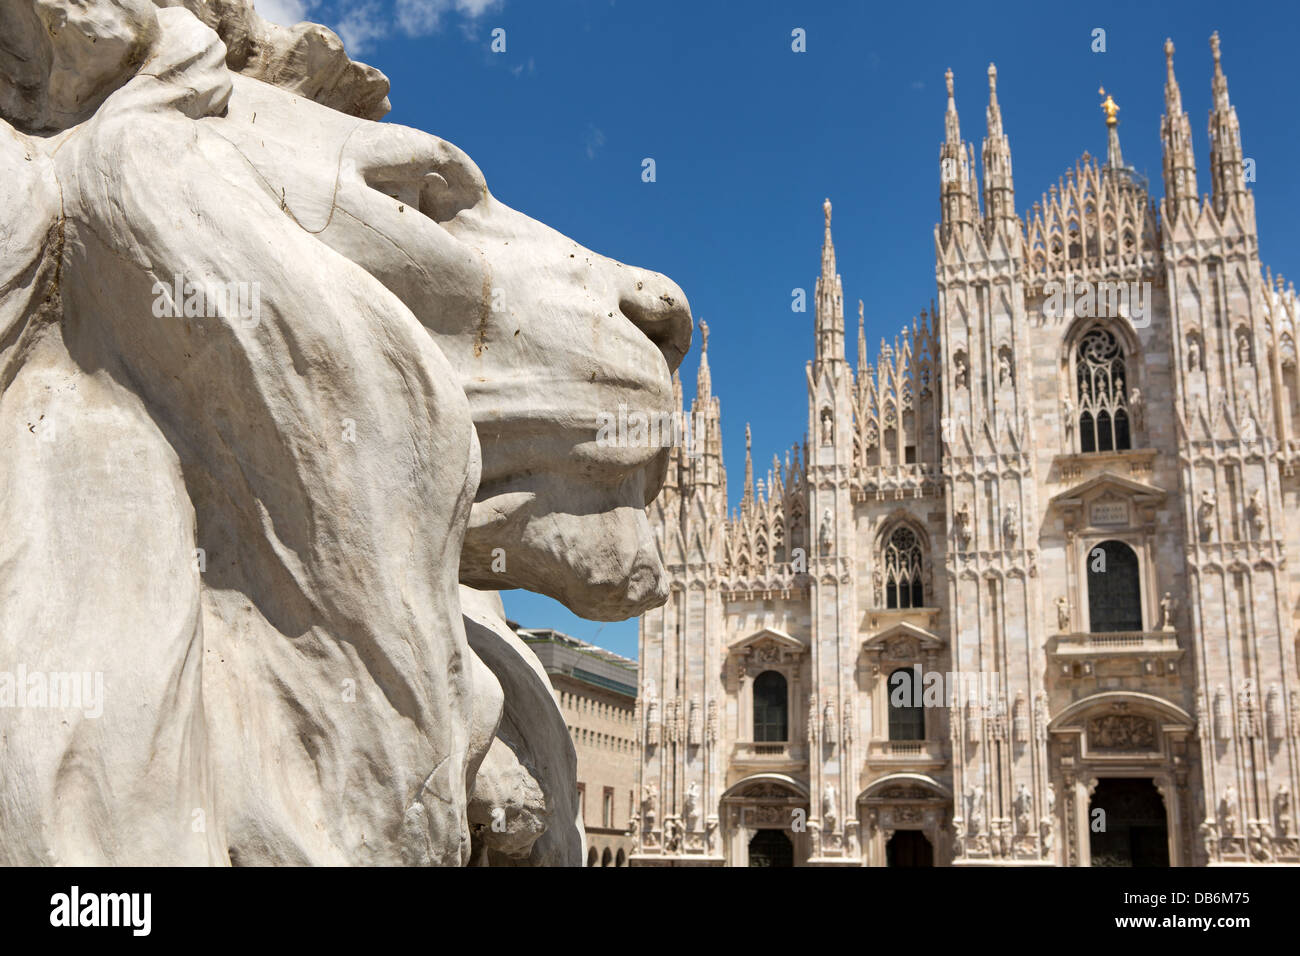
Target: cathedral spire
999,189
1227,168
862,340
1176,138
703,380
1114,157
748,498
957,205
830,300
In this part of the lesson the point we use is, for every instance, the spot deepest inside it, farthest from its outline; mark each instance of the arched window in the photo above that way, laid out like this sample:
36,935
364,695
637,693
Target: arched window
607,858
1100,377
770,708
902,570
906,713
1114,590
621,859
592,857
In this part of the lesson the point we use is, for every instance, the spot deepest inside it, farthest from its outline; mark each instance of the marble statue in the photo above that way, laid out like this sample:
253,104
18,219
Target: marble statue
308,395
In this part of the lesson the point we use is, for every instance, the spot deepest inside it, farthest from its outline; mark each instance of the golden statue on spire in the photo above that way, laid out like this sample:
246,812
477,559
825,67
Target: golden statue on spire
1110,106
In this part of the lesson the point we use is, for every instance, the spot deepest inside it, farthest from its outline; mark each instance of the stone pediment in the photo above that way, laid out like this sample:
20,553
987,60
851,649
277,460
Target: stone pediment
1108,500
770,639
903,641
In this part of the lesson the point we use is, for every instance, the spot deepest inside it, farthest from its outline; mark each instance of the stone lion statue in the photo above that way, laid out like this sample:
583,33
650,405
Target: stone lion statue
287,395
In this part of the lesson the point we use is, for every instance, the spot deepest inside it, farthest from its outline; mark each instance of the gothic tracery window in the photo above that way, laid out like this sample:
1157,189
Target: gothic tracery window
902,570
1100,378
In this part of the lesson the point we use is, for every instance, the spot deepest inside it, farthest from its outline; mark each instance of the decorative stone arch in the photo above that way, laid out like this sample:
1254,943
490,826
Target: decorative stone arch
1119,402
764,801
764,650
881,568
904,801
1121,734
903,645
1109,507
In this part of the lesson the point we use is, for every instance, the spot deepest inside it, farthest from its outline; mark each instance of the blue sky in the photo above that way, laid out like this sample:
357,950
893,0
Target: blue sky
748,137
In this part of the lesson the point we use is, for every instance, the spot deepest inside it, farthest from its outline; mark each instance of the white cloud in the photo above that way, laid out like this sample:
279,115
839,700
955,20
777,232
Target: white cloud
284,12
421,17
360,27
594,140
476,8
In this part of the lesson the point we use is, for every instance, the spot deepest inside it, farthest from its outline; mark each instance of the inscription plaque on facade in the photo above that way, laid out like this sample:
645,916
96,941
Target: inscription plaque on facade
1108,512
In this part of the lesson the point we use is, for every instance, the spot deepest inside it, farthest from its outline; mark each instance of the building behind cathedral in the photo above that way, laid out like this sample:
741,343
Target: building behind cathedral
1028,566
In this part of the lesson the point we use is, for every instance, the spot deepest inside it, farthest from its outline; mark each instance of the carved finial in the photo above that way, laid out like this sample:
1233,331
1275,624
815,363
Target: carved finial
1169,52
947,78
1110,106
1214,49
826,208
993,78
748,441
704,335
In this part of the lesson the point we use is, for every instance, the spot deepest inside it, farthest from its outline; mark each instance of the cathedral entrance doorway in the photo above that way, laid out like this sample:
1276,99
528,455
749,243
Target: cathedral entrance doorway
1127,823
770,848
909,848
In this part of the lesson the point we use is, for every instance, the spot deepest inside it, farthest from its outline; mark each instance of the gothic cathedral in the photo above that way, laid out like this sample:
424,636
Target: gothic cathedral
1022,596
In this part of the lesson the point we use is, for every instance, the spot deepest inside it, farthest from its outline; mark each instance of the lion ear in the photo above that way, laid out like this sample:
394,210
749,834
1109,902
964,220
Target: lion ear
436,175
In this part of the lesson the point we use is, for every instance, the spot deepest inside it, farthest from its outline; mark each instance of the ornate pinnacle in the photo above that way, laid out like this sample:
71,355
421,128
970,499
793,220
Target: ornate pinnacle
1110,106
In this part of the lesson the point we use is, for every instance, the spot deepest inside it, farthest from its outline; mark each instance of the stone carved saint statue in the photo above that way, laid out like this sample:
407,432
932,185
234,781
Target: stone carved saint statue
1282,804
1228,812
825,536
1193,355
962,517
1205,514
1010,526
1005,375
1062,614
975,811
1024,807
1067,416
312,427
1167,607
649,800
828,426
1210,840
1255,511
691,806
959,371
830,808
1136,406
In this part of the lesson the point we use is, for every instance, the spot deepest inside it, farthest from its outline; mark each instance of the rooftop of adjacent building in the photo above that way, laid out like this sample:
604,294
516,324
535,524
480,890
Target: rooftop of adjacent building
561,654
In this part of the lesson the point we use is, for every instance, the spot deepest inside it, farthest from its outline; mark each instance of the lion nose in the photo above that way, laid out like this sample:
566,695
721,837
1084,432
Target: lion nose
657,307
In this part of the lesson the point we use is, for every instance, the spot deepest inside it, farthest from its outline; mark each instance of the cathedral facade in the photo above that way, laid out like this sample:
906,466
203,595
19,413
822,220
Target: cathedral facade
1022,594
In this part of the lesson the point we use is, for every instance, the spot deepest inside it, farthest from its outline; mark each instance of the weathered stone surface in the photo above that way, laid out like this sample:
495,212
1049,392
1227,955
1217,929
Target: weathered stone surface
252,523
